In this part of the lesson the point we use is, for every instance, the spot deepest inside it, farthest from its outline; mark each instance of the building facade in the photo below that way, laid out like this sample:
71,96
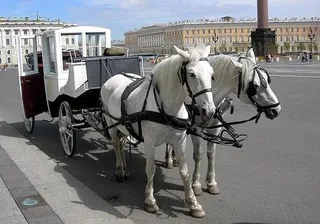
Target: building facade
10,29
225,35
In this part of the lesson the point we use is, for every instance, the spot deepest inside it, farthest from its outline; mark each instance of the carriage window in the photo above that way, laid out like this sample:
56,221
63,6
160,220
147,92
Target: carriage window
70,49
96,43
52,52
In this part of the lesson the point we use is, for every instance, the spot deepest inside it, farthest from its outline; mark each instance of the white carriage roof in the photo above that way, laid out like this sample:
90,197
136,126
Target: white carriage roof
75,29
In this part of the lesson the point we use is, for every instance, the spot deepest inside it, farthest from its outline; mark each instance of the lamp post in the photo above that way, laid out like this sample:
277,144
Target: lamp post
311,36
215,40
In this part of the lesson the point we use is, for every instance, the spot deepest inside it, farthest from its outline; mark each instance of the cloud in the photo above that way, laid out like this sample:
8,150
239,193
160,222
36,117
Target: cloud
132,3
25,3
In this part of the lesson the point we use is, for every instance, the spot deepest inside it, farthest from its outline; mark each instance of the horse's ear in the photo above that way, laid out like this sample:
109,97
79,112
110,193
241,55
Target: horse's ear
250,55
236,64
185,55
207,51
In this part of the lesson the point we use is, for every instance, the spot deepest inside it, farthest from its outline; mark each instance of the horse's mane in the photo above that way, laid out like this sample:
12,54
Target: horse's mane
223,69
165,74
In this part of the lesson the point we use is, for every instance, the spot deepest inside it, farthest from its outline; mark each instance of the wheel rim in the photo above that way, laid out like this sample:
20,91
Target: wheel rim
65,128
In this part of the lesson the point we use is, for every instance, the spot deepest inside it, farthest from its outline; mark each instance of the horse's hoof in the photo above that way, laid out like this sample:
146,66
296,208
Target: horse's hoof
152,208
169,165
120,178
175,163
213,189
197,213
197,190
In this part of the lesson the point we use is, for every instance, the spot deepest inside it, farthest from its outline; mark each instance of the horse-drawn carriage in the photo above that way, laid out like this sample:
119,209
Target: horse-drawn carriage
64,76
81,87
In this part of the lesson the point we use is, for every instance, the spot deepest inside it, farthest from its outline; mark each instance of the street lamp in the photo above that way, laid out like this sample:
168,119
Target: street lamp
311,36
215,40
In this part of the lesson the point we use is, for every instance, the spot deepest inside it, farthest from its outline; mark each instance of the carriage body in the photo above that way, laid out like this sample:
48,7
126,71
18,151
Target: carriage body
66,71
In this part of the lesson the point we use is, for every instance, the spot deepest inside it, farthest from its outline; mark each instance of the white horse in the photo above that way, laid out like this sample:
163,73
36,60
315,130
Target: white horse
161,96
243,77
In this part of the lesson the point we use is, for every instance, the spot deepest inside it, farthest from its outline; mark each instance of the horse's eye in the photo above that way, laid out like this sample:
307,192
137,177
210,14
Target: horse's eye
256,86
212,78
192,75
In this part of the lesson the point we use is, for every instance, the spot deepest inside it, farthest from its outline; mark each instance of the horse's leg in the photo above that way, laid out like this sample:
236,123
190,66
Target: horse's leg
191,200
150,201
116,141
211,174
122,154
197,156
168,157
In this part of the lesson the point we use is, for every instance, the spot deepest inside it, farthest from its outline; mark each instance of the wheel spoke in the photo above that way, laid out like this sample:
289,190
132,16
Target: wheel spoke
67,134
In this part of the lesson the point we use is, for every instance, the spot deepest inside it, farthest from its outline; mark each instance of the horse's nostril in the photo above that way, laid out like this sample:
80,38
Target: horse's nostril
204,111
274,111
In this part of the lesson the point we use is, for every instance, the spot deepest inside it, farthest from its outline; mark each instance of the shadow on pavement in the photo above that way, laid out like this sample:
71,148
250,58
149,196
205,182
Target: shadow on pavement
94,165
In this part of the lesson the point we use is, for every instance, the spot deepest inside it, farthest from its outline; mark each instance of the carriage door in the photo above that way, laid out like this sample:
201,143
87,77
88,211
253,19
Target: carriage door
31,81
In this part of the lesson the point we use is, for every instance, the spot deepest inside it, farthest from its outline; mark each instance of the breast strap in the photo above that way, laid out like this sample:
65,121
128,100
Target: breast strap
158,117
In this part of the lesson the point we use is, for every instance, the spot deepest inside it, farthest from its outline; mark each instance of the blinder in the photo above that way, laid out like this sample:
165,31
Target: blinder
251,91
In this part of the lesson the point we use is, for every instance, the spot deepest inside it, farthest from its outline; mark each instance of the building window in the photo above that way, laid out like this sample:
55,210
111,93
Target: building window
225,30
236,30
34,31
291,29
7,32
0,54
297,38
187,31
0,61
25,32
16,32
203,31
209,31
241,30
67,41
8,60
8,52
25,42
298,29
72,41
27,52
281,29
287,38
292,38
304,29
7,41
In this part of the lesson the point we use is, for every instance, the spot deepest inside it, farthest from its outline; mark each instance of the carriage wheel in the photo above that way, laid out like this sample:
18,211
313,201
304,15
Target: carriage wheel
67,133
29,124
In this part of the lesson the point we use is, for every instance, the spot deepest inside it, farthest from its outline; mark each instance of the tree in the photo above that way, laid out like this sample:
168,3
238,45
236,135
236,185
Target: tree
286,46
300,46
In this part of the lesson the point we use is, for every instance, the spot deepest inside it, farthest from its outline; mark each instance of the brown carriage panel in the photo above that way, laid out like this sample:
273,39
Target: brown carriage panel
33,94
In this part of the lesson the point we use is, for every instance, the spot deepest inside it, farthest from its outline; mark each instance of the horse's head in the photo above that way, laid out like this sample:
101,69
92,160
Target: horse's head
196,74
254,86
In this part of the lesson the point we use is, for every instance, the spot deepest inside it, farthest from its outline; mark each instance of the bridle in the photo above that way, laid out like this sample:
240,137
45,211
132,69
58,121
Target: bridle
172,121
251,90
182,75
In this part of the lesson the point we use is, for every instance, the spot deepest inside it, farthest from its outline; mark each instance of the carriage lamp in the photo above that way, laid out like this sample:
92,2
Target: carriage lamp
215,40
311,36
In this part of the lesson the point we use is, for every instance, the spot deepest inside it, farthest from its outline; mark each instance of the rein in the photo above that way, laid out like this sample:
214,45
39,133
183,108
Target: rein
236,139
